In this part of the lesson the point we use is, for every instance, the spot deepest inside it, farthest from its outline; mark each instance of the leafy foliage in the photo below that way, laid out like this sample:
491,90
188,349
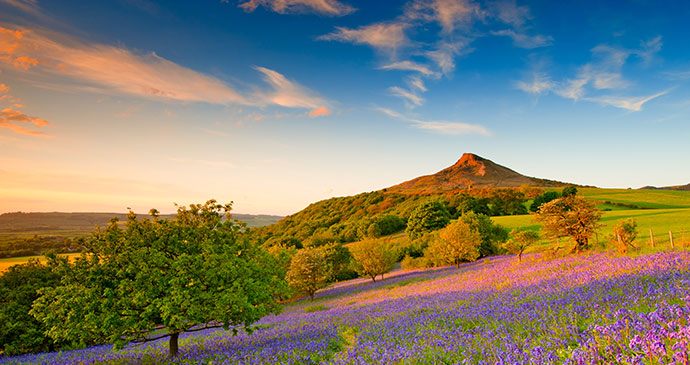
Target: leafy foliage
542,199
308,271
427,217
520,241
372,258
194,271
492,234
570,216
19,331
456,243
624,233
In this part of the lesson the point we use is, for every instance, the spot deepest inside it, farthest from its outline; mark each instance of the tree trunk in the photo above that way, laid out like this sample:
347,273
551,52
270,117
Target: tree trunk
311,297
520,256
173,344
373,278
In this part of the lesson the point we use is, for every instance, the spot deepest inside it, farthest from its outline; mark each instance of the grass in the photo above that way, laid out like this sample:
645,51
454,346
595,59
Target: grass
6,263
654,199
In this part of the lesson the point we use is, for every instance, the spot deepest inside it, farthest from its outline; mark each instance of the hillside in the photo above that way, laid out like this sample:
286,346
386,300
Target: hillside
596,308
674,187
471,171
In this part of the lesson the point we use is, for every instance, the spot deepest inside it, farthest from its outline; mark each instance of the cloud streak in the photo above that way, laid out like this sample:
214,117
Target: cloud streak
440,127
322,7
10,117
630,103
384,37
110,69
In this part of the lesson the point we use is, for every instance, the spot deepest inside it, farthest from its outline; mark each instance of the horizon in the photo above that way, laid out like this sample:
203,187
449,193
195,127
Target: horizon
277,105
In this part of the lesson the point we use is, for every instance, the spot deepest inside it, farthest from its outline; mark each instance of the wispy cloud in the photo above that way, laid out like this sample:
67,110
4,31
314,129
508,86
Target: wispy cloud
539,84
110,69
288,93
409,66
10,117
322,7
510,13
441,127
449,14
523,40
407,95
385,37
629,103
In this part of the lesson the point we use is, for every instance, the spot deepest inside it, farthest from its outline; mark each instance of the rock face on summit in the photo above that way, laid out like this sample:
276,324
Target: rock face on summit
470,171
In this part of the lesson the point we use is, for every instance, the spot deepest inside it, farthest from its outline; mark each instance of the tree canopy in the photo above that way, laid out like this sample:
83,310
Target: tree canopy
185,274
570,216
455,243
372,258
308,271
520,241
427,217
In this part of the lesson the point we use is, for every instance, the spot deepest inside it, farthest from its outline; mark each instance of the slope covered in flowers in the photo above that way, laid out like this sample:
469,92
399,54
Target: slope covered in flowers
586,309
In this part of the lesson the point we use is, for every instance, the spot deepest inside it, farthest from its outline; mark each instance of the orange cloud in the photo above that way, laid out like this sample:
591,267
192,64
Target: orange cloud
4,88
9,116
115,69
319,112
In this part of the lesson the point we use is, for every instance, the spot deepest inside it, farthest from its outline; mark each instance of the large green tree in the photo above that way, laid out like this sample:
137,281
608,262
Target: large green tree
492,234
570,216
427,217
19,331
186,274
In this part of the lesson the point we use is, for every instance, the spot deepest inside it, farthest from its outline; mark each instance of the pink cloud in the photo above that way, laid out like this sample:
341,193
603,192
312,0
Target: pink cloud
319,112
323,7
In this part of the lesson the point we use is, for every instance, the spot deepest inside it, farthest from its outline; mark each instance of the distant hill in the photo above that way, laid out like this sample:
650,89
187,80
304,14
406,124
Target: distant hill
349,218
471,171
675,187
56,223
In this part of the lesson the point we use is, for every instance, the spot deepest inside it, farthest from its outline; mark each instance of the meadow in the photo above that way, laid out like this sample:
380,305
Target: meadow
7,262
593,308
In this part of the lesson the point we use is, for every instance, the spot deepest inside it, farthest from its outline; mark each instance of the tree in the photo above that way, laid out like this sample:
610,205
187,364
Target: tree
20,332
456,243
185,274
542,199
507,202
625,232
308,271
372,258
427,217
520,241
338,259
492,235
569,190
570,216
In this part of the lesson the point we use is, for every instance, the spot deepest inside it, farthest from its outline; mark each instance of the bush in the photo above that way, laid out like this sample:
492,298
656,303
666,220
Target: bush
456,243
412,263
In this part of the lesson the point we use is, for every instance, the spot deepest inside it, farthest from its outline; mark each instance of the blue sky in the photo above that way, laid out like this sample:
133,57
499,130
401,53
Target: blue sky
275,104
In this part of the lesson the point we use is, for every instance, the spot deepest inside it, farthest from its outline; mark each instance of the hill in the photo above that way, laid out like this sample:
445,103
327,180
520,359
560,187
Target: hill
471,171
497,189
674,187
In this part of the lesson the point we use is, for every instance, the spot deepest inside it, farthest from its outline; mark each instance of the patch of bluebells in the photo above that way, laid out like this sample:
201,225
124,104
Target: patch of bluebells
586,309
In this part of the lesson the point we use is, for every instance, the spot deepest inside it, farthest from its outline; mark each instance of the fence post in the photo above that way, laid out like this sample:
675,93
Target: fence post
651,234
670,235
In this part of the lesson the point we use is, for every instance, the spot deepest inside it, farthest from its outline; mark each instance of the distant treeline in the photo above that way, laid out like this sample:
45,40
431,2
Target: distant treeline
39,245
379,213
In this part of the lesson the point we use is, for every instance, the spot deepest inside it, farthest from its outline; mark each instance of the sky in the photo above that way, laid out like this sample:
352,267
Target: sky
276,104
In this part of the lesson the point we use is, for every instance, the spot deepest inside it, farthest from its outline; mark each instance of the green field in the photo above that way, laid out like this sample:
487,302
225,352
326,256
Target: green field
6,263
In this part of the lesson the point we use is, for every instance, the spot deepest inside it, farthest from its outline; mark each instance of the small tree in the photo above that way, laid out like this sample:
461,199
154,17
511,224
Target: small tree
543,199
372,258
427,217
520,241
456,243
570,216
624,233
308,271
186,274
492,235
